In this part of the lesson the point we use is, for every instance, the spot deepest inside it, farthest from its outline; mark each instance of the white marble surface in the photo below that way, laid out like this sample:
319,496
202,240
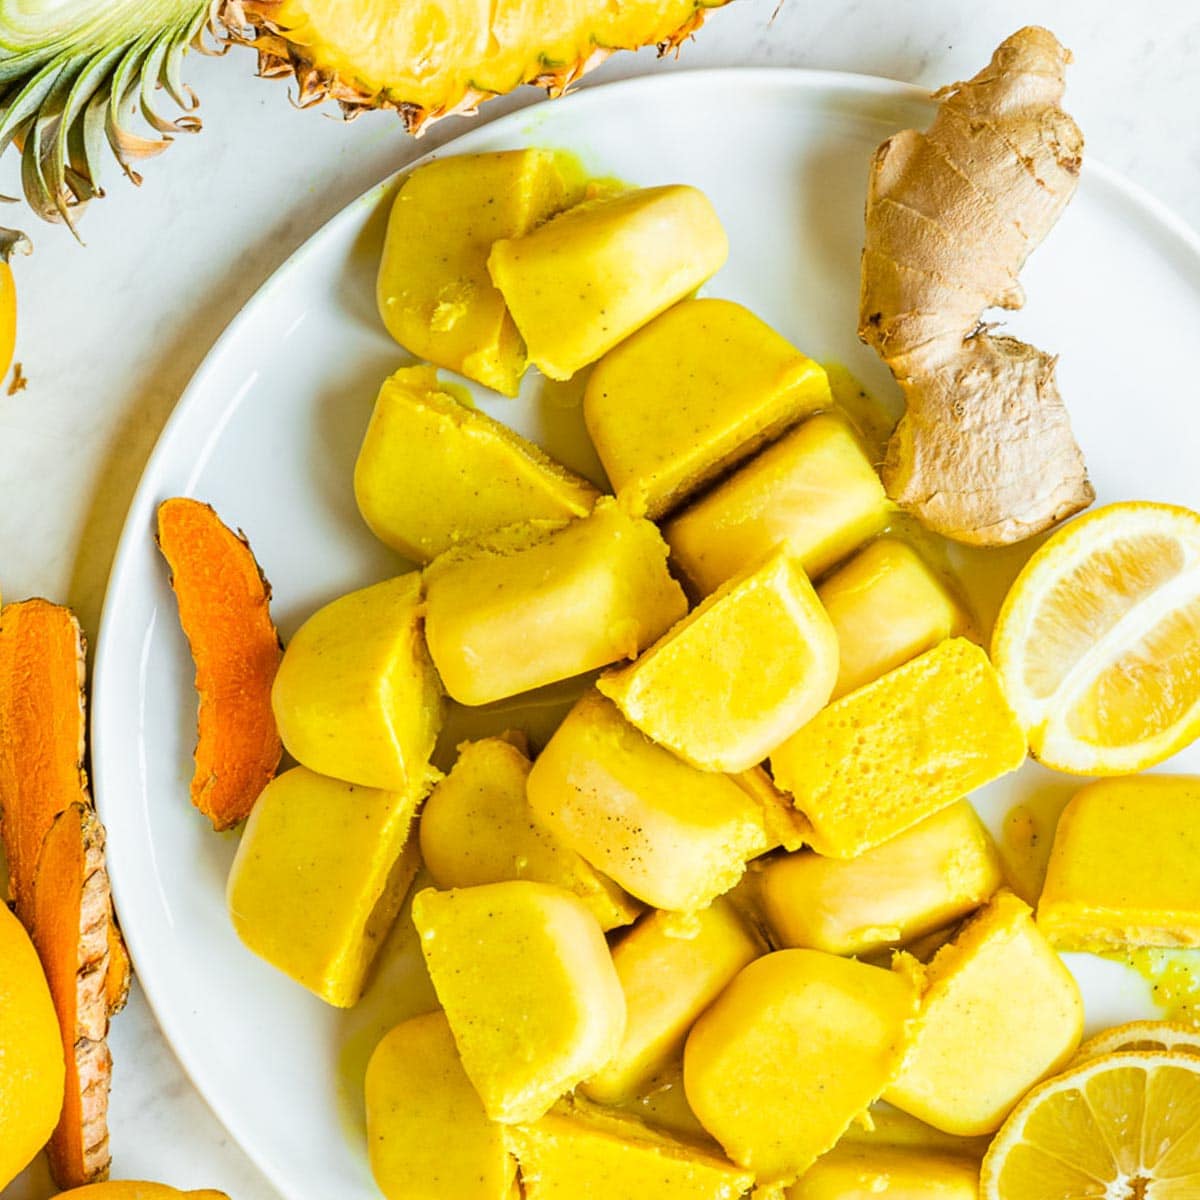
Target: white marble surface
110,334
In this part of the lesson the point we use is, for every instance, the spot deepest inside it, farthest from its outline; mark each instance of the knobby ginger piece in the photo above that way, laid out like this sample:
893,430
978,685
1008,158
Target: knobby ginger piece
71,921
984,453
224,608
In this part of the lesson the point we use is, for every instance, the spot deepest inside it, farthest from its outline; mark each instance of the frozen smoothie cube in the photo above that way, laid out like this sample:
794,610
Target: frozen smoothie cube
319,876
433,473
577,598
736,676
434,292
813,490
886,756
1125,867
529,988
858,1172
697,390
887,607
919,881
671,968
428,1136
356,696
477,827
796,1047
999,1012
669,834
585,1154
583,282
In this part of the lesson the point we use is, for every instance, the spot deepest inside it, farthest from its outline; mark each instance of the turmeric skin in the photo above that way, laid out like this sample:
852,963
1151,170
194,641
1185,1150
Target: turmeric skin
224,608
984,453
70,930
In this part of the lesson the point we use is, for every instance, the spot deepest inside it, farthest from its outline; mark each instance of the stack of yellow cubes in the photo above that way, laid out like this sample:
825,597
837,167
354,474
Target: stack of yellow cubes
660,946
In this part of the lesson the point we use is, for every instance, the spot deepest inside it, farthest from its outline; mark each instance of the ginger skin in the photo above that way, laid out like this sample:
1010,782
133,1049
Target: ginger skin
984,453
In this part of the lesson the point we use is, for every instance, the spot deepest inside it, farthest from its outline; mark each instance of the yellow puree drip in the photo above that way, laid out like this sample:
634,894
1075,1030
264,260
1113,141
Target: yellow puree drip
1173,976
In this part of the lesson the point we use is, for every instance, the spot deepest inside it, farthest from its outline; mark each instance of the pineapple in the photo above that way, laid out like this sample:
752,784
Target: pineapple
72,75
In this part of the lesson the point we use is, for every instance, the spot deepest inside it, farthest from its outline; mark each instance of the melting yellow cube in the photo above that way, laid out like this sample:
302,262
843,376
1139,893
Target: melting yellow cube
529,988
884,757
433,473
858,1172
887,607
795,1048
585,281
669,834
319,876
434,292
1125,867
696,391
428,1136
578,598
356,696
671,968
477,827
927,877
814,491
585,1154
736,676
999,1012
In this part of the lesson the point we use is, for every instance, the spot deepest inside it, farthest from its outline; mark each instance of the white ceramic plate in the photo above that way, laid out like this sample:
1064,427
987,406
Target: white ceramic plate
268,432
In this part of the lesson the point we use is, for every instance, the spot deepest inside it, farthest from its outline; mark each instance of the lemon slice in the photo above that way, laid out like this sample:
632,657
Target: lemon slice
1120,1127
1098,641
1141,1035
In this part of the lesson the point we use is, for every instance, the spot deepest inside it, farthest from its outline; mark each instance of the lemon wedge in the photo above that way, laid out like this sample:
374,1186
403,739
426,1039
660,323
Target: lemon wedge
1120,1127
1098,641
1141,1035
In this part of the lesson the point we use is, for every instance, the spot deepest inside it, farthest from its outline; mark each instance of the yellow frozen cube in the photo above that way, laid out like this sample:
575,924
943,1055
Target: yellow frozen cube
1125,867
356,696
586,280
529,988
737,675
319,876
999,1012
671,968
859,1172
887,607
477,827
884,757
927,877
669,834
795,1048
572,600
433,473
696,391
428,1136
813,490
585,1154
434,292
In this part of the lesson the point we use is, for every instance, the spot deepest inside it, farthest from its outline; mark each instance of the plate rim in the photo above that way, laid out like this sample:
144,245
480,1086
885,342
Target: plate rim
133,530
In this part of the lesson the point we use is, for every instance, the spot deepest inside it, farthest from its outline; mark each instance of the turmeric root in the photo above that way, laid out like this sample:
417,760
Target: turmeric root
55,848
71,930
984,453
224,607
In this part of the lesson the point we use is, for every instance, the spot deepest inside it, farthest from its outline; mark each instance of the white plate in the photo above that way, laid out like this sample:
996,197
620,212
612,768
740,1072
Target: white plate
268,432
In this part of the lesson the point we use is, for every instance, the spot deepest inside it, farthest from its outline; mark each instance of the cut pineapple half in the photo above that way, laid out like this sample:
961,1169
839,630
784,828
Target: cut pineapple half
1098,642
1141,1035
1120,1127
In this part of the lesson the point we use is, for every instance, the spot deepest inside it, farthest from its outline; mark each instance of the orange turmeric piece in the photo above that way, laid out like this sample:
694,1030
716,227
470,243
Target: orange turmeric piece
70,929
224,608
120,971
42,728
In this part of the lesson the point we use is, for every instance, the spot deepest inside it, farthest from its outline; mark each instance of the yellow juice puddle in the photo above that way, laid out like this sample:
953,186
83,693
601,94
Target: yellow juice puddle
1027,834
459,391
1173,976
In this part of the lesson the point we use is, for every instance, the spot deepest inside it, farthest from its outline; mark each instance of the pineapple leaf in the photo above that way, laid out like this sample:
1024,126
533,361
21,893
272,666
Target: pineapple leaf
74,76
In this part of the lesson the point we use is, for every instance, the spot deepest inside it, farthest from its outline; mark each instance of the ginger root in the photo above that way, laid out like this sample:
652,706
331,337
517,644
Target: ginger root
984,453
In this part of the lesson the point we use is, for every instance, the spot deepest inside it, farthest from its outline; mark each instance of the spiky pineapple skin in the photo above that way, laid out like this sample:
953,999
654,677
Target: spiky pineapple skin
283,52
